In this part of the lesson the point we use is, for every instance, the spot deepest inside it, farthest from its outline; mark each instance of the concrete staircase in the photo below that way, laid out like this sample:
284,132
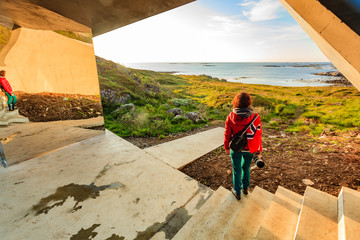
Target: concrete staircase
7,117
283,215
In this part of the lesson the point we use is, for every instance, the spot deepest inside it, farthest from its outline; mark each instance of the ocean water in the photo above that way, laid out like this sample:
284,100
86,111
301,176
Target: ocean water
293,74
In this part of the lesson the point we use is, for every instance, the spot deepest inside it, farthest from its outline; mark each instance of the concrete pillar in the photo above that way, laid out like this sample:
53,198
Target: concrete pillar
339,43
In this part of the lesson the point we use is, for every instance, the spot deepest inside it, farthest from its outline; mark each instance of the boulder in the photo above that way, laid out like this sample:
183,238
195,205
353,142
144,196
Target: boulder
194,116
124,109
175,111
178,118
113,96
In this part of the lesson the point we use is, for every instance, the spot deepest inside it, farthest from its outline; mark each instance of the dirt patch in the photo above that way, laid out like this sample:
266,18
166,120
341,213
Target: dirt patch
44,107
290,159
330,162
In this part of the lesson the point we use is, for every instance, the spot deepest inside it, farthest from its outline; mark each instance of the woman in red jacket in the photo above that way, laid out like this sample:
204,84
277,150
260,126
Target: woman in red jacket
238,119
5,85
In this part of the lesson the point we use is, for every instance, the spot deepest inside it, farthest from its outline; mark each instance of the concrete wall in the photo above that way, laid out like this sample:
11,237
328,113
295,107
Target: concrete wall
44,61
336,40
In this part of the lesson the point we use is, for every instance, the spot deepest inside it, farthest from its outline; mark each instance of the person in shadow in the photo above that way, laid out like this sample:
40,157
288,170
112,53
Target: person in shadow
6,88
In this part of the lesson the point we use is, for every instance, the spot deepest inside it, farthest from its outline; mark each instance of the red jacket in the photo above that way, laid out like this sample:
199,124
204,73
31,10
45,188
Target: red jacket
235,123
6,85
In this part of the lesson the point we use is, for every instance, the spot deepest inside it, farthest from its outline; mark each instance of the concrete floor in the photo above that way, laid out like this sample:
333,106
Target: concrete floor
28,140
103,187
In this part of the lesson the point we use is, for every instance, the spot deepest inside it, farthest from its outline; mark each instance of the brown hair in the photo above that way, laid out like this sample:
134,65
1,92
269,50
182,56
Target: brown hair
242,100
2,73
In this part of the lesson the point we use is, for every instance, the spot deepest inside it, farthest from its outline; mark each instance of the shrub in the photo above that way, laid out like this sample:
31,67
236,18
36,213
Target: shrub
181,102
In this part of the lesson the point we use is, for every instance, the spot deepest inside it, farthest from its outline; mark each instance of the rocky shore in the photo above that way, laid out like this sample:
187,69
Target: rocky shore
341,80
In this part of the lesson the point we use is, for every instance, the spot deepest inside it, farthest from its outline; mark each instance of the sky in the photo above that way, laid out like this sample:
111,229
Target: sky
212,31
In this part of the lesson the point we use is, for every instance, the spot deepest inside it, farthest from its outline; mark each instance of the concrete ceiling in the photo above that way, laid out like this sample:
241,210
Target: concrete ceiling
100,16
346,10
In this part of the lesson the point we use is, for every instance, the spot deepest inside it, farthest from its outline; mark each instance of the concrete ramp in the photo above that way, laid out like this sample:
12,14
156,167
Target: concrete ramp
183,151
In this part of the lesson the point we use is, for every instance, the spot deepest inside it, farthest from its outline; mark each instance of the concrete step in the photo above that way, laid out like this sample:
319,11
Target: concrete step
179,219
218,223
2,113
196,222
9,114
282,216
14,119
18,119
247,223
183,151
318,216
349,214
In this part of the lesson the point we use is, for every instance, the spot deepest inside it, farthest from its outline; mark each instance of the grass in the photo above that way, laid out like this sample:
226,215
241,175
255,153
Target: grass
308,110
5,34
83,37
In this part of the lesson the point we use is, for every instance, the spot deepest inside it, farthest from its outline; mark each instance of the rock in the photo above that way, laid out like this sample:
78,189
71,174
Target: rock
194,116
113,96
331,73
175,111
123,109
317,150
307,182
178,118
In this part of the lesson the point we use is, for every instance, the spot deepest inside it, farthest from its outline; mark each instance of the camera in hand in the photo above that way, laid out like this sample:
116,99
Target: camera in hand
259,163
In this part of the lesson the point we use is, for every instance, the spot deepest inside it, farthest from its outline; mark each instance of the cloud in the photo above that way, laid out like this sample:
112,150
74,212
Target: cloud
246,4
263,10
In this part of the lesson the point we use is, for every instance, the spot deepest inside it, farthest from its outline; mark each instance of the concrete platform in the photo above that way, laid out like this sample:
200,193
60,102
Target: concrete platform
100,188
318,217
24,141
349,214
183,151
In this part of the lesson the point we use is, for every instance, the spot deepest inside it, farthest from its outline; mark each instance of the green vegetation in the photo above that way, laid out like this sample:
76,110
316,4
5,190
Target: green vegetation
5,34
295,109
84,37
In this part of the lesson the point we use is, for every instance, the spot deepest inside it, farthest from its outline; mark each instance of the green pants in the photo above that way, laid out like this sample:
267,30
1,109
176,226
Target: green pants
11,100
241,169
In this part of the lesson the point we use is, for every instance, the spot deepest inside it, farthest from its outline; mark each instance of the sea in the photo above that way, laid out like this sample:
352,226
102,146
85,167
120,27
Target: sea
291,74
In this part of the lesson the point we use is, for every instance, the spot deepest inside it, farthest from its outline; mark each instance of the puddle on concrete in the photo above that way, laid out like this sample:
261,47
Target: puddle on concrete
173,223
80,193
89,233
115,237
85,233
103,172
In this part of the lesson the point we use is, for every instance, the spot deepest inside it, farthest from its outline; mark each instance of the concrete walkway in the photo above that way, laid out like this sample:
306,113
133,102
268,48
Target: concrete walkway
183,151
100,188
24,141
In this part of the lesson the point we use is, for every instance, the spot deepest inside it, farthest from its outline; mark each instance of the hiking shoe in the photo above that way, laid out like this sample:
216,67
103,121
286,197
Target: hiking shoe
237,196
245,191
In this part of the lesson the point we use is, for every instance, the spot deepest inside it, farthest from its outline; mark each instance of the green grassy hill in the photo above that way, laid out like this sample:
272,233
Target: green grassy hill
308,110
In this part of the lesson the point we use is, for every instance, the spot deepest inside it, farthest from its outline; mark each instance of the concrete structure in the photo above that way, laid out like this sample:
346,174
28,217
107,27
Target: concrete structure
256,218
333,26
183,151
98,16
